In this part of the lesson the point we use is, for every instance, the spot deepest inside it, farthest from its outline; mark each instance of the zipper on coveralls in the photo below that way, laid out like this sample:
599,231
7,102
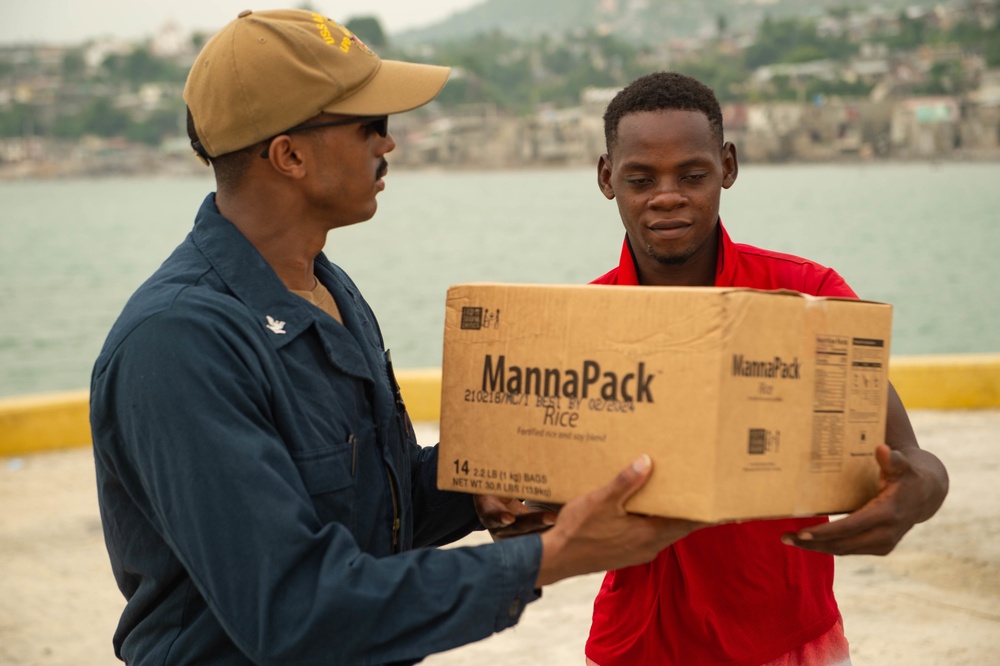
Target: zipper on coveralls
397,395
405,425
395,514
392,496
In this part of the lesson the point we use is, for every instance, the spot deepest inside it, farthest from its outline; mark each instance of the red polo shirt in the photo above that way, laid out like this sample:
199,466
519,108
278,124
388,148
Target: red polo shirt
731,594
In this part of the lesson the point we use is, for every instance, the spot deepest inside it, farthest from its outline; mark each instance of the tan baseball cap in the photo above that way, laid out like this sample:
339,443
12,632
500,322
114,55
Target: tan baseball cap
268,71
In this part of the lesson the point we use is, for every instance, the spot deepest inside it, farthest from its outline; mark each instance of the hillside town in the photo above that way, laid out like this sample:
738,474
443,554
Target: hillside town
110,107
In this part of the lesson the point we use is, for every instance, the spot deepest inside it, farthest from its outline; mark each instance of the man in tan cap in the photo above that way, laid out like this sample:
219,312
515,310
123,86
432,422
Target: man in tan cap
263,497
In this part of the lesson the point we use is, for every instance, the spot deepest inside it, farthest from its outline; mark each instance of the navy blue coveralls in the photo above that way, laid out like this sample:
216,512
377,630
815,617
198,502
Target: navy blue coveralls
263,497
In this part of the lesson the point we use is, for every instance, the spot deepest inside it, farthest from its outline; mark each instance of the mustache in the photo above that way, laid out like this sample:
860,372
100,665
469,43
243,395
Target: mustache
383,168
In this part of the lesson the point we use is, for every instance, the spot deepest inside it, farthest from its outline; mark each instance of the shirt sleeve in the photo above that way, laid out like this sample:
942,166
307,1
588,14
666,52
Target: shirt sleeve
831,284
181,417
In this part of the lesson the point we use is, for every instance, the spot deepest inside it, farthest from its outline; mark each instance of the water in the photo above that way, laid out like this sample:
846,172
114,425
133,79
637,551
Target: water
920,236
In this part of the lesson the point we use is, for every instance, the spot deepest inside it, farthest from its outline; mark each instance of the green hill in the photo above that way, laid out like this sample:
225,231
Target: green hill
645,21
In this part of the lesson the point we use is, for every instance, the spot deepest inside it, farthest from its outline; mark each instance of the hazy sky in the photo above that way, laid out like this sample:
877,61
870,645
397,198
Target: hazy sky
74,21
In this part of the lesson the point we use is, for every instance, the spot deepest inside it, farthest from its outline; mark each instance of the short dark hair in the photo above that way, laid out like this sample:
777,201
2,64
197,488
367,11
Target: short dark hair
229,168
662,91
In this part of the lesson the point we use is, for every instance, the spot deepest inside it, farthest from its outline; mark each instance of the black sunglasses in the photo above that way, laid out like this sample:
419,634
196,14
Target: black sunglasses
378,124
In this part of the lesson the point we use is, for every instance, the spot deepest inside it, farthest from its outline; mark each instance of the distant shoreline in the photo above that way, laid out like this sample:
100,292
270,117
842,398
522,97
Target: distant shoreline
184,166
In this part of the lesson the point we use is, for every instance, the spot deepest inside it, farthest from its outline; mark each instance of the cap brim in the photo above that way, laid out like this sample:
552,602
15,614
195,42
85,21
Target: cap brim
396,87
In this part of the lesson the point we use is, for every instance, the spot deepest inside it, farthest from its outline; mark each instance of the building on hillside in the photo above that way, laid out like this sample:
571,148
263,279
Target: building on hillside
925,127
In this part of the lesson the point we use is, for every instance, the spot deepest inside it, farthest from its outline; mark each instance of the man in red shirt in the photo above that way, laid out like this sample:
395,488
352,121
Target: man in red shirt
759,592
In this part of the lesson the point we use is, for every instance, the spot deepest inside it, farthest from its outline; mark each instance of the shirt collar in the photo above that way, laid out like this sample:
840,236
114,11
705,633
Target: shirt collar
252,280
248,275
725,264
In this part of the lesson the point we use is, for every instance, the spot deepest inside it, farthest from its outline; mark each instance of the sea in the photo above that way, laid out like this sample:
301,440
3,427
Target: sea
921,236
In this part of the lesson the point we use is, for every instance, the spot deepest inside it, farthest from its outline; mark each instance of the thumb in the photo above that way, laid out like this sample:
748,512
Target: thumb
891,463
629,480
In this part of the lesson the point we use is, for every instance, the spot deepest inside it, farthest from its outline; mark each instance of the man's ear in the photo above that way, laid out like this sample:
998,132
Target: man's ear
286,158
730,164
604,176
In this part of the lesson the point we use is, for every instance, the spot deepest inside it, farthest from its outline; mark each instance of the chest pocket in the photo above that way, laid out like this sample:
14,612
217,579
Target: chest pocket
329,477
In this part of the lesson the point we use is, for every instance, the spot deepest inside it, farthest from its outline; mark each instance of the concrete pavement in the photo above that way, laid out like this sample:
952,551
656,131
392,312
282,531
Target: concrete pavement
935,600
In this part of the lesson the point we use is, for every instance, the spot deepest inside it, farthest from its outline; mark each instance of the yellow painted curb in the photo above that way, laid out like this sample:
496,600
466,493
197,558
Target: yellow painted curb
60,420
34,423
947,381
421,391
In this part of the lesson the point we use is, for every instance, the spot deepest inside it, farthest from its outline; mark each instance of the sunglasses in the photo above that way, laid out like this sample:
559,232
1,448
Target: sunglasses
377,124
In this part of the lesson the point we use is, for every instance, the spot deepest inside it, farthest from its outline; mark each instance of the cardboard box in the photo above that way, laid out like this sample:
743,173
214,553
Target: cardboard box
751,404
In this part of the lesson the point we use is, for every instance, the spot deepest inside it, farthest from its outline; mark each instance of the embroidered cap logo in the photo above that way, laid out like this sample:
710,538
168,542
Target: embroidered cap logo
348,40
